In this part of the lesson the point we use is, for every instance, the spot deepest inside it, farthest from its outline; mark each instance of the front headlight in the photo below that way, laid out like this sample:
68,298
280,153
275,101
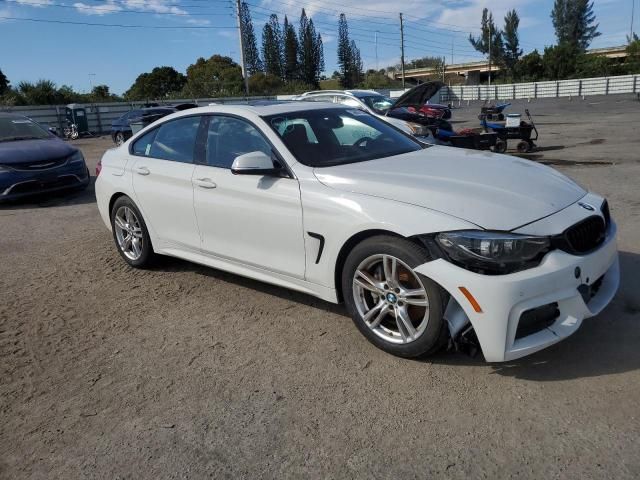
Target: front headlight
418,130
77,157
493,253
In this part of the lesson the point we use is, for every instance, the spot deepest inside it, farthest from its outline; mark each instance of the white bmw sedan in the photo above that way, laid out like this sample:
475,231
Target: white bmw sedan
424,244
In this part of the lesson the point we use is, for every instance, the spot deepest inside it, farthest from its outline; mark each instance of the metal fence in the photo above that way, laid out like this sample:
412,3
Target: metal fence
100,115
555,89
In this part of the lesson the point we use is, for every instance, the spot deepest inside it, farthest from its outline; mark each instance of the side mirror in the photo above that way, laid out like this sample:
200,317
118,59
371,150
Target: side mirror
255,163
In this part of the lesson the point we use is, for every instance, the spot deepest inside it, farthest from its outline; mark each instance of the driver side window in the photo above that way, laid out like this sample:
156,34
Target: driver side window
228,138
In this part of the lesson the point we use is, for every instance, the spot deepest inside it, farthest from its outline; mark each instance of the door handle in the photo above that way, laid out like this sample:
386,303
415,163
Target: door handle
205,182
142,170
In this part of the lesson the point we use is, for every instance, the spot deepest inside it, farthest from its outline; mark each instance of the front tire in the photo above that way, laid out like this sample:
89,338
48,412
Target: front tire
130,233
395,308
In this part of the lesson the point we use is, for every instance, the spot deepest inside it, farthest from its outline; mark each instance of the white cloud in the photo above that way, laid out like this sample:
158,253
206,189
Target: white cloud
103,9
35,3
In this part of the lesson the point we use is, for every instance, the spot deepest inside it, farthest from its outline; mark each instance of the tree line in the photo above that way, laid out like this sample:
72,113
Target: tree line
575,28
290,59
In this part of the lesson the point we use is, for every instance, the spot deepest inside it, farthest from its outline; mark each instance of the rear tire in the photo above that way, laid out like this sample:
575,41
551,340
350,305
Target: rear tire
395,308
130,234
119,140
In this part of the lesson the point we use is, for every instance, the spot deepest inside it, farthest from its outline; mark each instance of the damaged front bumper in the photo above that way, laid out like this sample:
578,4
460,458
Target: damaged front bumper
554,297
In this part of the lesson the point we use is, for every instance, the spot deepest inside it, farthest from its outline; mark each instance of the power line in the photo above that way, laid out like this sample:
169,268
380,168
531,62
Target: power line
118,25
98,8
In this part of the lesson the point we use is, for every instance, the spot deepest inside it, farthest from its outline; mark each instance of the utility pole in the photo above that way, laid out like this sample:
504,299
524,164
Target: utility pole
633,11
490,34
376,50
243,65
91,80
402,49
444,67
453,39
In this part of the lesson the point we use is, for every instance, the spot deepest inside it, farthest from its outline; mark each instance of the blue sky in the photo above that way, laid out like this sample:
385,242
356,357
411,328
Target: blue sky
79,55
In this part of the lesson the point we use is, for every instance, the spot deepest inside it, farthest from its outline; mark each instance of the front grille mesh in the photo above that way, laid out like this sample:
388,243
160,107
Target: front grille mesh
586,235
37,166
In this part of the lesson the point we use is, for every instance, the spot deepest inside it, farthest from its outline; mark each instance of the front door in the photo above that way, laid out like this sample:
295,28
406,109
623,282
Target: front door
252,219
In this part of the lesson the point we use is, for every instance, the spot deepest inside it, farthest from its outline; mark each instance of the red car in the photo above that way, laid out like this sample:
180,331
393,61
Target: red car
434,111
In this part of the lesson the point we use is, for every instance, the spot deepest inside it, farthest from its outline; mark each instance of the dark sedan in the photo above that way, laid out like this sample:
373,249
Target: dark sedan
121,128
33,160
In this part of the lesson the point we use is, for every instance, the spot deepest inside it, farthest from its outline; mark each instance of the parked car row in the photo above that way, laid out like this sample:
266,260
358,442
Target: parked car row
411,112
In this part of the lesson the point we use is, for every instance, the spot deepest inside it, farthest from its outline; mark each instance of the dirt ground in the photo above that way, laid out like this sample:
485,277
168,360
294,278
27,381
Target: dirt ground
187,372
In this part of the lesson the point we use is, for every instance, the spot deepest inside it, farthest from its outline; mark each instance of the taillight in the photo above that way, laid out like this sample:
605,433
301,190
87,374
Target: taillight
98,167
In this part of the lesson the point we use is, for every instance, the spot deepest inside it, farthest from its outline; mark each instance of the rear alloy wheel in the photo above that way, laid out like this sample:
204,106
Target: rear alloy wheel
397,309
120,138
130,233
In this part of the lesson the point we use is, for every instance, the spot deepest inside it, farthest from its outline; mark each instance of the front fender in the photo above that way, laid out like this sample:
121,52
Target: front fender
337,216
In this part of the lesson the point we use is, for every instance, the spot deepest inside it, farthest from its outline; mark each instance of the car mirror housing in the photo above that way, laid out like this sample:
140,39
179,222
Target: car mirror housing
255,163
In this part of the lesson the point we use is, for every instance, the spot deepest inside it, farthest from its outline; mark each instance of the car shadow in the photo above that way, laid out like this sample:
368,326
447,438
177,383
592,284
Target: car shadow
71,196
171,264
604,345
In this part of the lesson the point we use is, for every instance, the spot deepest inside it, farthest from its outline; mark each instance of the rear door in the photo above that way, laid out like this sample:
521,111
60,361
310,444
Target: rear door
162,168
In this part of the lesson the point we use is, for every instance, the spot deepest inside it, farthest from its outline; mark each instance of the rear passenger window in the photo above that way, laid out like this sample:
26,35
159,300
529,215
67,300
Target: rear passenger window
142,146
175,140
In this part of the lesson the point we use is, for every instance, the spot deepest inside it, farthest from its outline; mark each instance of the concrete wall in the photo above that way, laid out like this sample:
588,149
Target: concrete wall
562,88
100,115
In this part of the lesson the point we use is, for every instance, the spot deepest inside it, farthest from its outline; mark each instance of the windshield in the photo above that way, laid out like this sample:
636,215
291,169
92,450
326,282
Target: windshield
378,103
20,128
327,137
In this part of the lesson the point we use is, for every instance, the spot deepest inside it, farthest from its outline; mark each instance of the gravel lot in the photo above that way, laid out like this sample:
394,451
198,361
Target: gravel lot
187,372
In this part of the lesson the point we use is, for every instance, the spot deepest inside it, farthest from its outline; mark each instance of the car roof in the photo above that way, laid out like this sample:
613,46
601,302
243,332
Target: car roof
354,92
262,108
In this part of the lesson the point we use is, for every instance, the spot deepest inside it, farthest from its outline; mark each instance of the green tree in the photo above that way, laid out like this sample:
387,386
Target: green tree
4,83
310,52
349,59
290,54
101,92
159,83
560,61
574,22
530,67
216,76
490,39
632,63
251,53
357,67
345,60
265,84
512,51
272,47
43,92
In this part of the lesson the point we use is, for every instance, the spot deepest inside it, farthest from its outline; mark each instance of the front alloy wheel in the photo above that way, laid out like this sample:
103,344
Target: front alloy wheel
391,299
397,309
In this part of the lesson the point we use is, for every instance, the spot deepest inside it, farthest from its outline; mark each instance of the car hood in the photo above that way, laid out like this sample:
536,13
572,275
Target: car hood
21,151
417,96
495,192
